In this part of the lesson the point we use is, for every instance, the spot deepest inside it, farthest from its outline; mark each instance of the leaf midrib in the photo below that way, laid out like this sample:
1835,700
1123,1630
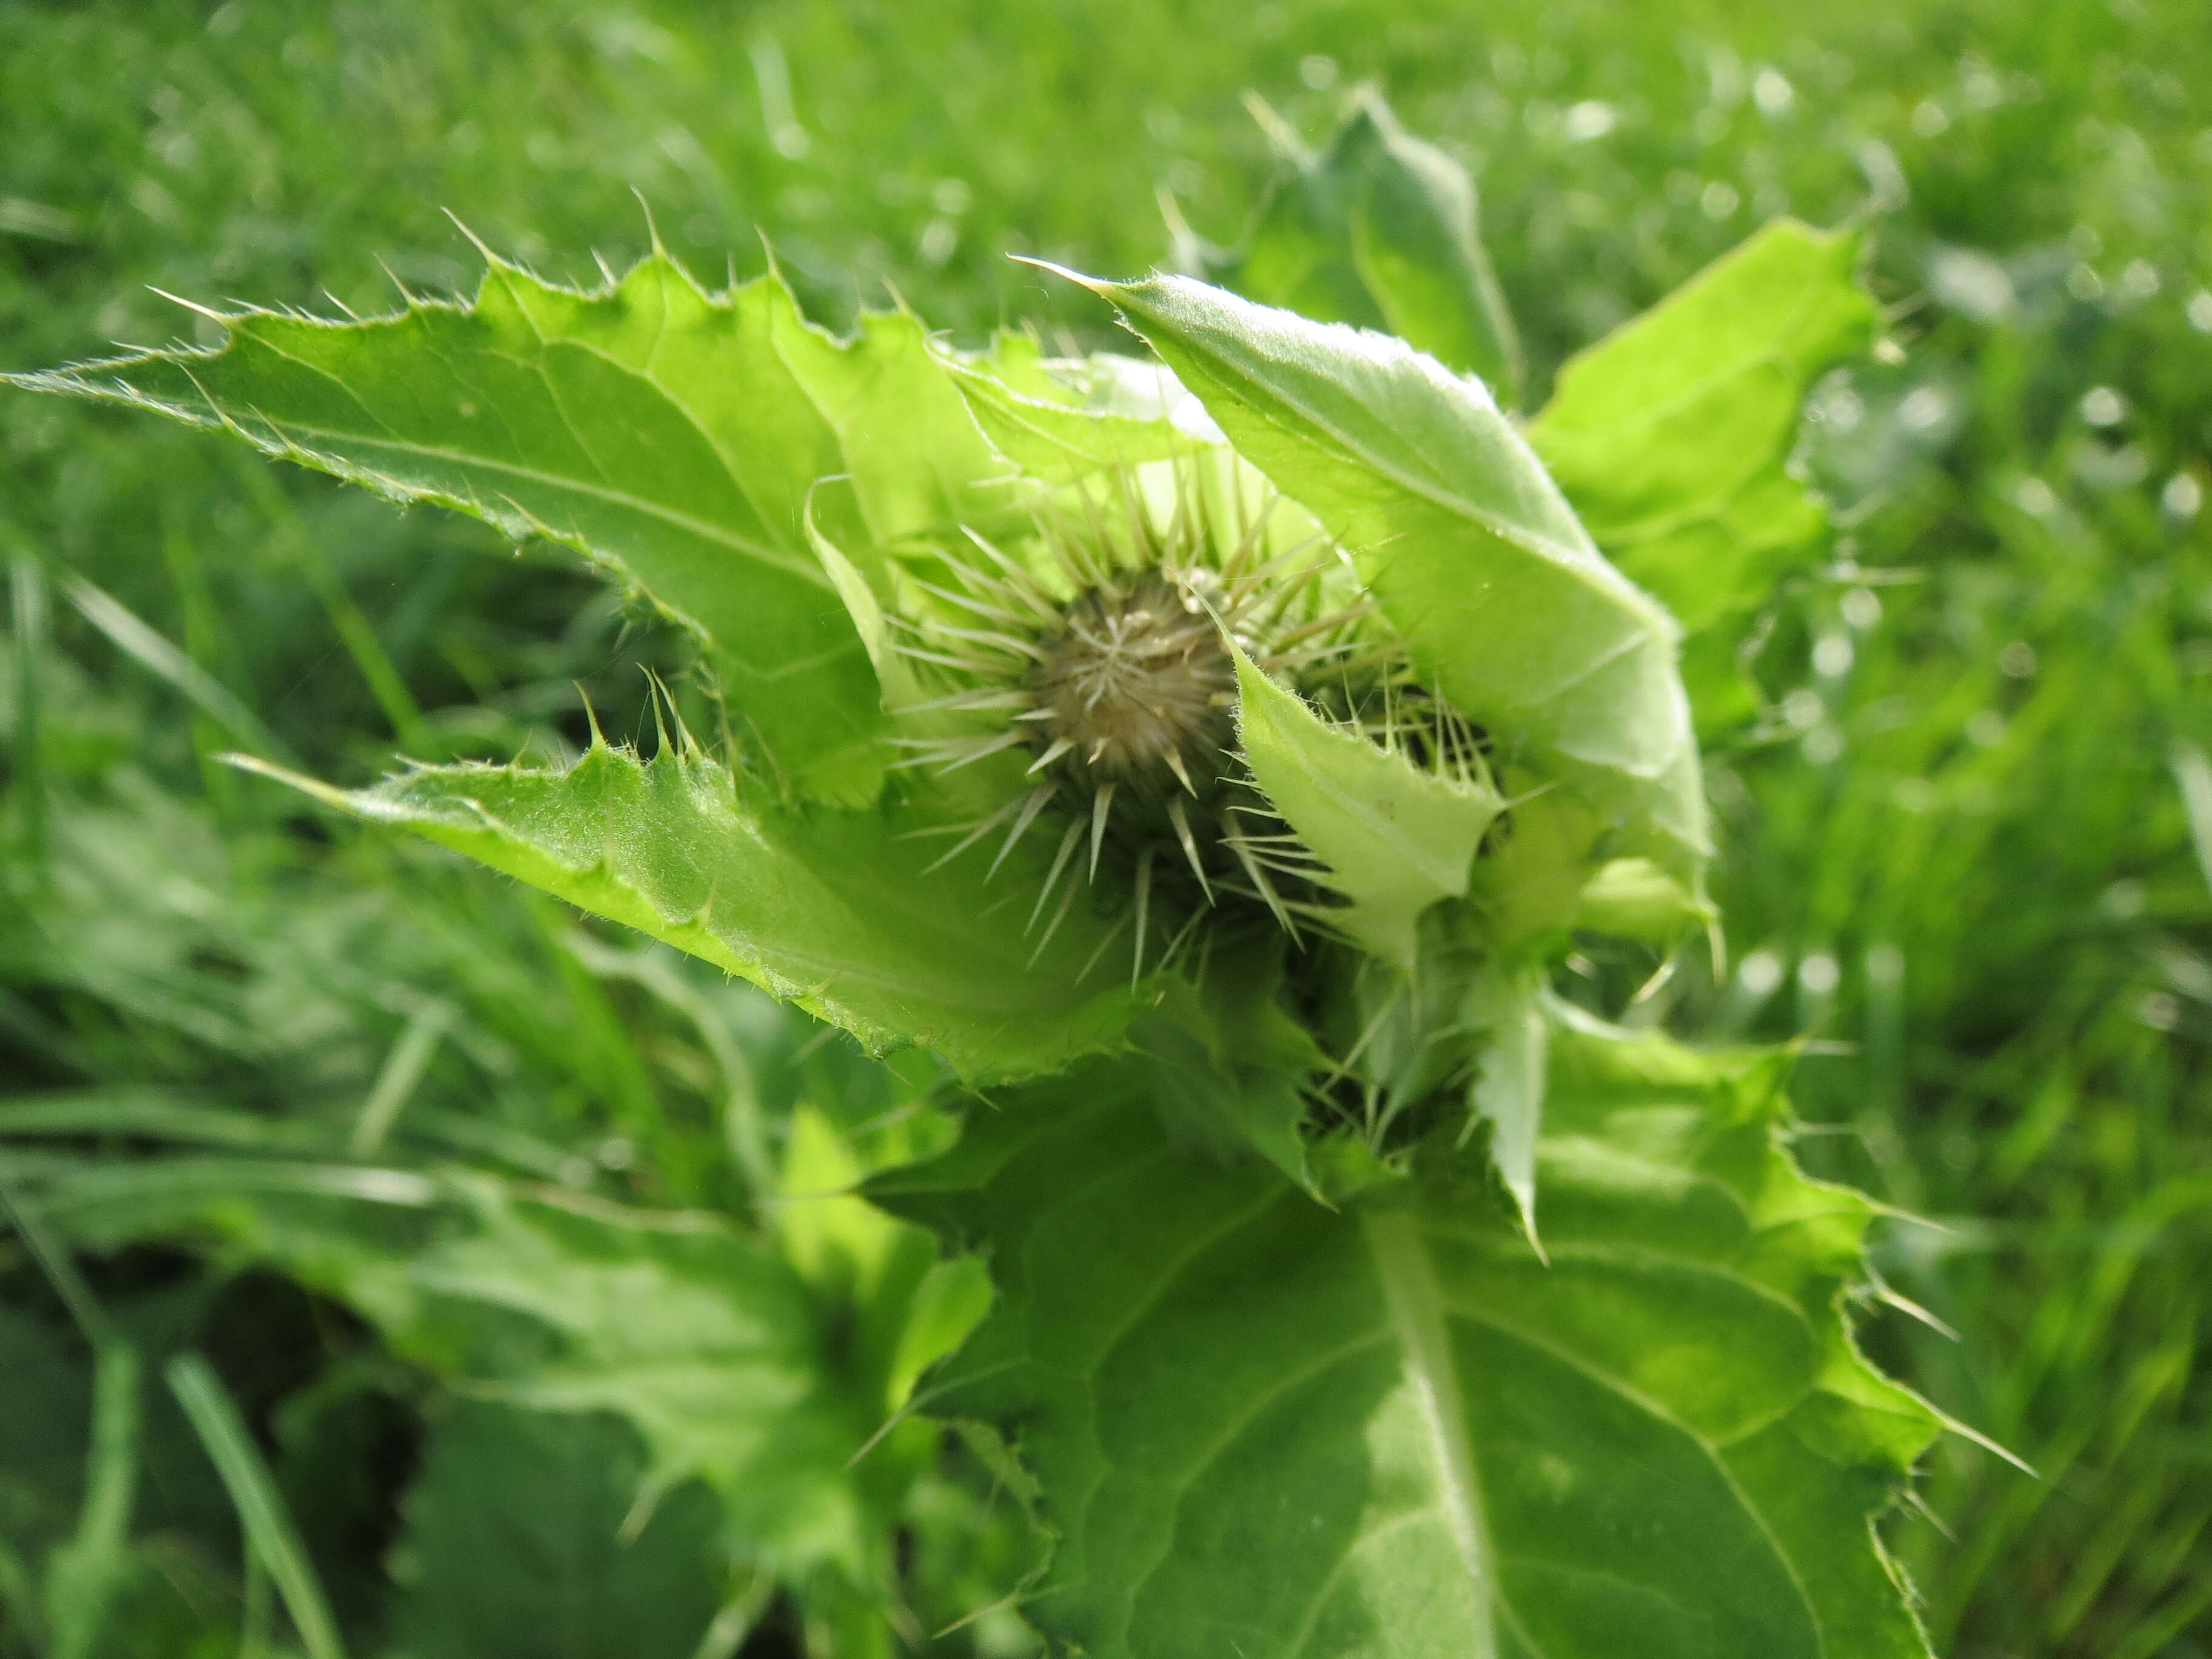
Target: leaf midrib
1417,1312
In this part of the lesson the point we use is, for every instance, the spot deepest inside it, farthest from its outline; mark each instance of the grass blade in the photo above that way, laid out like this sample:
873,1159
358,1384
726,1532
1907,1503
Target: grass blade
83,1575
2194,773
152,651
270,1533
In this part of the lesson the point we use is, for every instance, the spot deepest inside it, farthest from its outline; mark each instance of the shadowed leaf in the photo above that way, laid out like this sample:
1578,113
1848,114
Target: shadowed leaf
1267,1428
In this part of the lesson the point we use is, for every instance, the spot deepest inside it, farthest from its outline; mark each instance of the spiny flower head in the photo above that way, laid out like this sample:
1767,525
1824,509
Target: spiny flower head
1102,651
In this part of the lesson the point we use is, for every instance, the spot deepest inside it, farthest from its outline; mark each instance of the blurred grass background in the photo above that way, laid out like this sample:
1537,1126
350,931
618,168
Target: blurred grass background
1960,850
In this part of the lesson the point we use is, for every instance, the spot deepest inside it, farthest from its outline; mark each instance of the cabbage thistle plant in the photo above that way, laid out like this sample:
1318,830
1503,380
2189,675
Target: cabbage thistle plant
1211,755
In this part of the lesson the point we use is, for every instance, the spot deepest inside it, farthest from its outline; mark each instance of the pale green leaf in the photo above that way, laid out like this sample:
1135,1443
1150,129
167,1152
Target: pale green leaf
1268,1429
1506,606
669,435
515,1544
1507,1009
917,462
1634,898
1672,434
1053,441
1379,229
837,911
1396,839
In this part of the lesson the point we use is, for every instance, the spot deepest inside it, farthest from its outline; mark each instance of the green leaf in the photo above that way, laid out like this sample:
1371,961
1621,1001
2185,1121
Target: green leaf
516,1546
1379,230
1396,839
271,1534
1672,435
1055,442
1634,898
1506,606
700,1337
1507,1007
1264,1428
668,434
837,911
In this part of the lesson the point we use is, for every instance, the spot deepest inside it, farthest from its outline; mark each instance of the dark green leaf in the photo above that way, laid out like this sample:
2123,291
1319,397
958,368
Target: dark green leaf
1266,1428
516,1545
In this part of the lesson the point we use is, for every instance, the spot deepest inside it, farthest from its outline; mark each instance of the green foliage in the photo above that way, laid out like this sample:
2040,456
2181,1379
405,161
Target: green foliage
837,911
1396,840
1673,435
672,439
684,442
1263,1426
1990,866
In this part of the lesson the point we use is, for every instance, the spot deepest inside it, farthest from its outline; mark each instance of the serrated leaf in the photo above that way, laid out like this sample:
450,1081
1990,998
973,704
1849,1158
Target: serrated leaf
916,460
1507,607
516,1547
1264,1428
1396,839
1672,434
1507,1008
837,911
670,435
1380,230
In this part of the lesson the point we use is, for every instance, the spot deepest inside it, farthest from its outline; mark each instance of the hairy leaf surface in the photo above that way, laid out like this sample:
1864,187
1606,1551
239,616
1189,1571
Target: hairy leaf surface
670,435
1266,1428
1672,434
837,911
1506,605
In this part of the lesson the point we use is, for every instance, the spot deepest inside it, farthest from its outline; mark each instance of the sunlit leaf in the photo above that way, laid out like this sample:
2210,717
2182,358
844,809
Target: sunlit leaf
1396,839
670,435
1050,439
1634,898
1672,434
1506,606
1267,1428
